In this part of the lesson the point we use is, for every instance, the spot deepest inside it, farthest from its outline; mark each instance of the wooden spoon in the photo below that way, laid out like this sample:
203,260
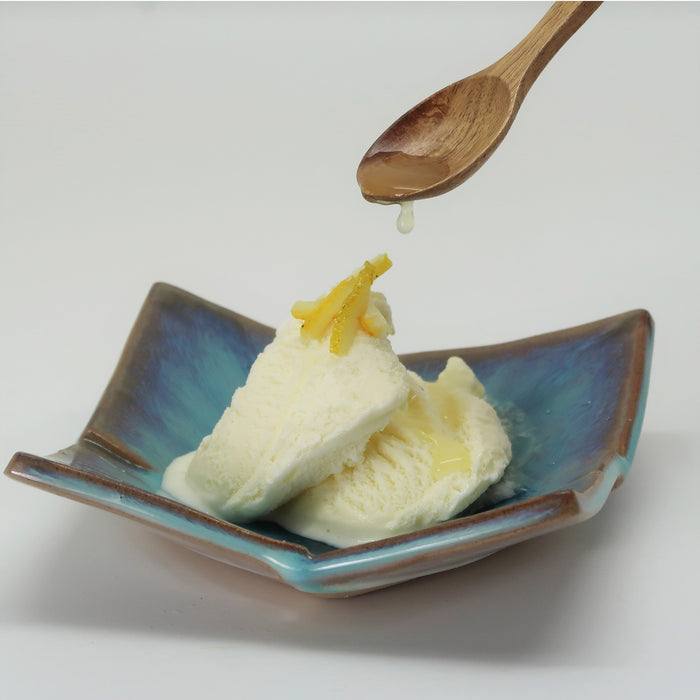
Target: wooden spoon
445,139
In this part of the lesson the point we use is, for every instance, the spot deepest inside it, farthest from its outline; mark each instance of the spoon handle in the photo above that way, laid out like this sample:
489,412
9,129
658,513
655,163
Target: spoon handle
520,67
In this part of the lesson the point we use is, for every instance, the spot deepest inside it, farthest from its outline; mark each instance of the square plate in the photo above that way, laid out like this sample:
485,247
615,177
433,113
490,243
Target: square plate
572,402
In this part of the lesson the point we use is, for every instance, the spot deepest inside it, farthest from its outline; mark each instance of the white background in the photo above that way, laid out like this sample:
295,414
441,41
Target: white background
215,147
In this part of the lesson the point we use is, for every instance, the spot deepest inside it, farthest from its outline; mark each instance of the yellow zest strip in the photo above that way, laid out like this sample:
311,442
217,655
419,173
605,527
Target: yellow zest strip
345,308
347,321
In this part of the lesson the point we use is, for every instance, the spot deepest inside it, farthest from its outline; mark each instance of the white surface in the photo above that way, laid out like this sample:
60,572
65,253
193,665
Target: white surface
215,147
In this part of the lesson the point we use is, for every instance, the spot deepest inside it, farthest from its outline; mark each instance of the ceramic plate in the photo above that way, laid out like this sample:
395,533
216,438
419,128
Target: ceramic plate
572,402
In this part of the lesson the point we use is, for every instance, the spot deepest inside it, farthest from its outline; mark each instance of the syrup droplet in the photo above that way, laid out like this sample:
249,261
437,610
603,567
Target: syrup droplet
406,220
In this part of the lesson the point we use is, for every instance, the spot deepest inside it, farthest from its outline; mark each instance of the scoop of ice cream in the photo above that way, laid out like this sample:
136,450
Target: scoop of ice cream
336,440
436,455
304,414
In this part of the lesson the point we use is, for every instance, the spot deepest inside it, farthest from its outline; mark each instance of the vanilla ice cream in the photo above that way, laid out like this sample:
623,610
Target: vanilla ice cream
333,438
304,414
434,458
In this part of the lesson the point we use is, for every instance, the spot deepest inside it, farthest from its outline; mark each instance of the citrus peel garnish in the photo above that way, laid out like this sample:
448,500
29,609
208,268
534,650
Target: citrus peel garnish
346,309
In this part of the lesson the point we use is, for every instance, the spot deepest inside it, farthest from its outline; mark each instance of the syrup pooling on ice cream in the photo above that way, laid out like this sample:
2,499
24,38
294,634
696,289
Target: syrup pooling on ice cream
336,440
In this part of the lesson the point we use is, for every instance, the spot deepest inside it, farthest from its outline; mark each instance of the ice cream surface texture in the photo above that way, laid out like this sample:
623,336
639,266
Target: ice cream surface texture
336,440
436,456
305,411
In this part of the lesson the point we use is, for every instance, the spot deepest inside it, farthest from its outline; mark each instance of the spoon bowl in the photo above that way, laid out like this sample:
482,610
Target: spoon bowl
445,139
418,157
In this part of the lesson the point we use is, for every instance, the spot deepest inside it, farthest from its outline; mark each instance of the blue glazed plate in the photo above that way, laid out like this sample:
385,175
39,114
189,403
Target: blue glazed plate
572,402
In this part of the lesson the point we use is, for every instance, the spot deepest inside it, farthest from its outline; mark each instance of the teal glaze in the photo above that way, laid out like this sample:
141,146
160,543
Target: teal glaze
566,395
304,571
641,404
566,399
177,380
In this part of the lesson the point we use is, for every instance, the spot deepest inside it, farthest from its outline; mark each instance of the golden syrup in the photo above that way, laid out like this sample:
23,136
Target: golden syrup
390,173
448,455
446,404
